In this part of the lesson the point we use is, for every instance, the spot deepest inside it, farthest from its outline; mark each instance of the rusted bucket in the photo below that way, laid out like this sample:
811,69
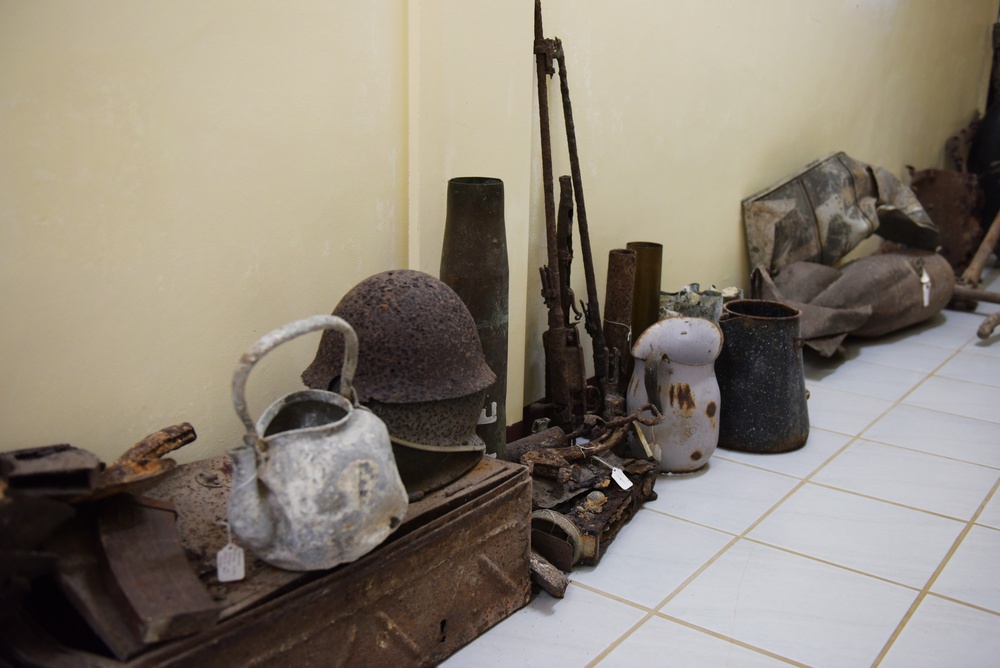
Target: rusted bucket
761,379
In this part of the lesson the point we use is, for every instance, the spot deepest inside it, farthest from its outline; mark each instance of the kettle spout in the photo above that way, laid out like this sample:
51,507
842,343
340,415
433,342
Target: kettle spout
250,515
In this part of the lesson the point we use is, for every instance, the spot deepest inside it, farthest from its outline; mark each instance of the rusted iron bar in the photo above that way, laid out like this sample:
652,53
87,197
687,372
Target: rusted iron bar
592,309
550,438
548,577
975,294
989,324
556,339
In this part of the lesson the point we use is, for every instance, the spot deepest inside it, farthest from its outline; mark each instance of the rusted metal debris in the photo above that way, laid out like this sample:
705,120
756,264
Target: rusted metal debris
988,325
973,274
580,530
64,471
52,470
121,564
952,200
144,460
967,294
25,523
556,462
547,576
162,595
566,527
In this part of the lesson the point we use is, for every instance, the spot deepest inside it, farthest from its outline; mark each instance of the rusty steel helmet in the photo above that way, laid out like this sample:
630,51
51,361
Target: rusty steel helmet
421,369
417,342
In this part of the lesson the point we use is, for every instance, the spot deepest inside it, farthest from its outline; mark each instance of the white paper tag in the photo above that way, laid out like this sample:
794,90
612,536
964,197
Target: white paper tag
229,564
617,475
925,282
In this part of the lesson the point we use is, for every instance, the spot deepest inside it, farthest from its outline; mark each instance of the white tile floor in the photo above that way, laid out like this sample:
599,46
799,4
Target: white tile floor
877,544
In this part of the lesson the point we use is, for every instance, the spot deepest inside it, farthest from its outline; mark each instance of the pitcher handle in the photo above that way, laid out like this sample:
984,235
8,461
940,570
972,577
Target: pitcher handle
652,379
272,340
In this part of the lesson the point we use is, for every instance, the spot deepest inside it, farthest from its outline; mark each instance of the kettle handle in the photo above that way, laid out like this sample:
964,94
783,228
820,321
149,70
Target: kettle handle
272,340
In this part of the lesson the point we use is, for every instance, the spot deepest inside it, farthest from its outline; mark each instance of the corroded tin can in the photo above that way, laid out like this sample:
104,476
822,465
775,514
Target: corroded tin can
762,379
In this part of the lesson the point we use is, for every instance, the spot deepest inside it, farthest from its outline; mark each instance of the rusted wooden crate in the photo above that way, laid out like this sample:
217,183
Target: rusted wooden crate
457,566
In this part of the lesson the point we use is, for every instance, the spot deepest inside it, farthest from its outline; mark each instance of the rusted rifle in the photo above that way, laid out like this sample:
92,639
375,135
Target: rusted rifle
592,309
561,341
565,377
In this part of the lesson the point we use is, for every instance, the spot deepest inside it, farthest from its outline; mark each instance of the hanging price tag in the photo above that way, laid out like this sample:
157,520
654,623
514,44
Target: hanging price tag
925,283
617,475
229,561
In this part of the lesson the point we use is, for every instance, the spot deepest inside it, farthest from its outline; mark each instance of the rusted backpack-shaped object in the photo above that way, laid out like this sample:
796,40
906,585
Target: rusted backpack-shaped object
315,483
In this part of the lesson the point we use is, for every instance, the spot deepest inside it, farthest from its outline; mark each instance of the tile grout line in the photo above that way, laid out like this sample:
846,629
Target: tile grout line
603,654
842,567
935,454
925,590
891,503
958,601
740,643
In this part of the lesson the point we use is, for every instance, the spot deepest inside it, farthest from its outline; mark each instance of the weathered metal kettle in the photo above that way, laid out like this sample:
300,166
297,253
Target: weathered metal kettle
315,483
674,370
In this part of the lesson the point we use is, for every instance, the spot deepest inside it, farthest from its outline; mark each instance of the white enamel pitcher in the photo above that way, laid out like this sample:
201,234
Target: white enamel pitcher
675,371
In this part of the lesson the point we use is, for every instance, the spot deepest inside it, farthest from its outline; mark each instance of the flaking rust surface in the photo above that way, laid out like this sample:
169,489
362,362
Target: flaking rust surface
200,493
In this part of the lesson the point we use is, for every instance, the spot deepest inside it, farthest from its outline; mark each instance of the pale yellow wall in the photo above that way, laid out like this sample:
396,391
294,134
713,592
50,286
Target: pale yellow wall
685,107
177,178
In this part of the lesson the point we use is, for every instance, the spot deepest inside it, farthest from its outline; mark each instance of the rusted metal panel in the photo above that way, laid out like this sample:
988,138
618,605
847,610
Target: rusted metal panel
160,592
